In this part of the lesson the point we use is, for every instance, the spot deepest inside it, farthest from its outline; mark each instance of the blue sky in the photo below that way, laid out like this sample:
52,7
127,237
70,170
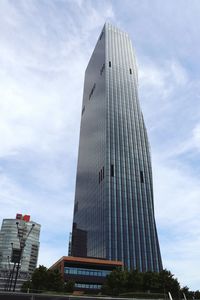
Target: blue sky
44,50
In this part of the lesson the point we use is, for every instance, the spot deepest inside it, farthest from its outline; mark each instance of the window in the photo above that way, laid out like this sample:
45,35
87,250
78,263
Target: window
130,70
76,207
86,272
102,69
112,171
141,177
83,109
101,36
88,286
92,91
110,64
101,175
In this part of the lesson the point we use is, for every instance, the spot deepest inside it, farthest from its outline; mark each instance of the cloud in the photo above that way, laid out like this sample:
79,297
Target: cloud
169,95
177,212
196,136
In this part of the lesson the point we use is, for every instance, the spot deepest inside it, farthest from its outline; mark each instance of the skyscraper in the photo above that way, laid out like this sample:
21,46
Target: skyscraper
18,238
114,209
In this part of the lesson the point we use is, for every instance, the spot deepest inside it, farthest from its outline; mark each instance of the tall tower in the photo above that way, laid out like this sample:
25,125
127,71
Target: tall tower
10,240
114,209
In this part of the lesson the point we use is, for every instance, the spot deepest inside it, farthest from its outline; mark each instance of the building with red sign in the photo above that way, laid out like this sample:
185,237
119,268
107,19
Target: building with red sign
19,247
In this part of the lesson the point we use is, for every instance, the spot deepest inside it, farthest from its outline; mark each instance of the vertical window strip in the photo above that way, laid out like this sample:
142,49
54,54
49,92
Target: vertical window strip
123,92
83,109
112,171
92,91
134,126
154,248
102,69
131,169
141,177
118,166
101,36
108,44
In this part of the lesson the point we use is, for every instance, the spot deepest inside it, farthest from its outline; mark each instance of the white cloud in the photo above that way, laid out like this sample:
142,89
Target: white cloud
177,194
170,99
179,73
196,136
177,210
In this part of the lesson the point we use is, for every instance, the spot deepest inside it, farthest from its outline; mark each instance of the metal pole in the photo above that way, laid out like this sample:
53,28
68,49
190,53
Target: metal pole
17,272
22,242
11,279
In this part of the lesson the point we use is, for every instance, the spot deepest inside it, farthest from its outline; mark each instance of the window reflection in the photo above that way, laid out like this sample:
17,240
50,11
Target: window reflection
88,286
87,272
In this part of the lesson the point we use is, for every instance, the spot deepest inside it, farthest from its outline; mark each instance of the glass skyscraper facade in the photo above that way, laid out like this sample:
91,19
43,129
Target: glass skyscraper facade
114,209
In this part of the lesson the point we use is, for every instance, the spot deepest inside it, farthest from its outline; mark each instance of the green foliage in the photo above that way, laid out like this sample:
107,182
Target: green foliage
44,280
54,281
116,282
69,286
151,282
26,286
40,279
197,295
127,283
119,282
190,294
169,283
134,281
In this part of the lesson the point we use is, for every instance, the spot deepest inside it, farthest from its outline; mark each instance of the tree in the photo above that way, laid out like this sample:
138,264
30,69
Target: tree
69,286
115,282
185,290
151,282
197,295
168,283
54,281
119,281
40,279
26,286
44,280
134,281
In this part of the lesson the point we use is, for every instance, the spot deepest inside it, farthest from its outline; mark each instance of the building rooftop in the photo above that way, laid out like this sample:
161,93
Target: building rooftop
91,260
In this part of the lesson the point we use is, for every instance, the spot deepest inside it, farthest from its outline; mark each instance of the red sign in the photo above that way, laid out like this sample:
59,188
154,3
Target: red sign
26,218
18,216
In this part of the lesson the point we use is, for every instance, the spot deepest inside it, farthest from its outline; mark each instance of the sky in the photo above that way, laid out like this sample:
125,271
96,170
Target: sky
45,46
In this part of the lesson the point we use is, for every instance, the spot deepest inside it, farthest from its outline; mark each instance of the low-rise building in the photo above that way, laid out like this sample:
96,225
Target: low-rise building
88,274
